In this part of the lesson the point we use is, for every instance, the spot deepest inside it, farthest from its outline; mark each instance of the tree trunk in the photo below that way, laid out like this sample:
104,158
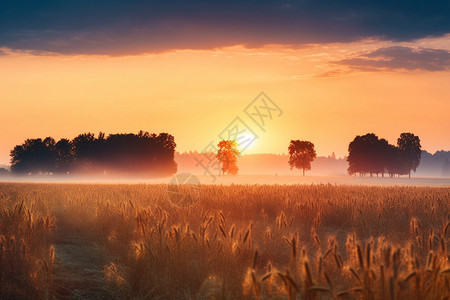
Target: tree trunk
409,174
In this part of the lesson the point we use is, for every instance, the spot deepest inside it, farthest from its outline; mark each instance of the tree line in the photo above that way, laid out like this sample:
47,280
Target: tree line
154,154
117,153
367,155
370,155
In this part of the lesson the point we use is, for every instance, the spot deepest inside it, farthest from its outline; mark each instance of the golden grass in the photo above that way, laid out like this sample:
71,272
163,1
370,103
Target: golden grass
26,256
237,242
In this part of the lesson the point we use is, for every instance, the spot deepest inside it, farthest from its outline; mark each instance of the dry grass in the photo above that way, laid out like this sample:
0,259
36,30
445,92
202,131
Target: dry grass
26,255
237,242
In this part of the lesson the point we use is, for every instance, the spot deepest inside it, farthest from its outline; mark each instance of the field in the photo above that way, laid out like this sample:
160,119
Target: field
312,241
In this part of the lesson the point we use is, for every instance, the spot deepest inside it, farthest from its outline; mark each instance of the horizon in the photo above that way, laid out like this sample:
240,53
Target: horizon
8,163
432,165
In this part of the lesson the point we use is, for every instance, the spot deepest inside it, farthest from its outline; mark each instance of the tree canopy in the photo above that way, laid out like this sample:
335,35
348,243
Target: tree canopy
301,154
118,153
227,156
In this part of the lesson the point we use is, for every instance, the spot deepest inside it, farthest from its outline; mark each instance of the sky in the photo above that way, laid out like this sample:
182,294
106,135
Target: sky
330,70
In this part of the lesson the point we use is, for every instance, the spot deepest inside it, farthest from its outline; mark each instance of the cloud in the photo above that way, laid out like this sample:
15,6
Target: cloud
138,26
400,58
334,73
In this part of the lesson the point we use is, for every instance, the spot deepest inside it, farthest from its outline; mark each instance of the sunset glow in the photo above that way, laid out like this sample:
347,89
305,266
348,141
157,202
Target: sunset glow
194,94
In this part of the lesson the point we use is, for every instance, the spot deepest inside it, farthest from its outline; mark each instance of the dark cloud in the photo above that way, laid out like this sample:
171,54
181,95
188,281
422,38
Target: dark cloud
136,26
400,58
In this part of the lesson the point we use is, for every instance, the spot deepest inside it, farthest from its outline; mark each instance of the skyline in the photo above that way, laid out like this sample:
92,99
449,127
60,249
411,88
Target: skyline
335,71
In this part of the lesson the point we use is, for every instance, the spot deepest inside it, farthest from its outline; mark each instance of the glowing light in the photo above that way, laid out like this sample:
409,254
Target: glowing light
246,142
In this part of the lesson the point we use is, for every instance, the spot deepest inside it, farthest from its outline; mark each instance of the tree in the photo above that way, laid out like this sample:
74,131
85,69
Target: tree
84,148
227,156
368,154
396,161
301,154
65,155
382,156
35,156
356,156
410,143
362,155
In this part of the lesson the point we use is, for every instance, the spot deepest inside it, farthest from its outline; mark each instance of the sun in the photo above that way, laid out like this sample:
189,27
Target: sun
246,142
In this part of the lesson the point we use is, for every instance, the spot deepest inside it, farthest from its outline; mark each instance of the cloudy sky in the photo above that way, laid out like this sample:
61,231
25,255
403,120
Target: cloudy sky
335,68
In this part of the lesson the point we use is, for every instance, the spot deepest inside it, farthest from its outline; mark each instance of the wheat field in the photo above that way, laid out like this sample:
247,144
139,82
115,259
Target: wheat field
99,241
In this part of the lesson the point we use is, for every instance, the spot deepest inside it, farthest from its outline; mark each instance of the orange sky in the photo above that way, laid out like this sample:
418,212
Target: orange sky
195,94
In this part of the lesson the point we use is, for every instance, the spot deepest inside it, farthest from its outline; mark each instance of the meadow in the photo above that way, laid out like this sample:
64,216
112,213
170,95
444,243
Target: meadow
315,241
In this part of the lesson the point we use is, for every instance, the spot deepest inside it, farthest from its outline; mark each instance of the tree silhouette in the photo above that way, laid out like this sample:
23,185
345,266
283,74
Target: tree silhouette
34,155
227,156
356,156
368,154
65,155
84,149
124,153
382,156
301,154
396,161
410,143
